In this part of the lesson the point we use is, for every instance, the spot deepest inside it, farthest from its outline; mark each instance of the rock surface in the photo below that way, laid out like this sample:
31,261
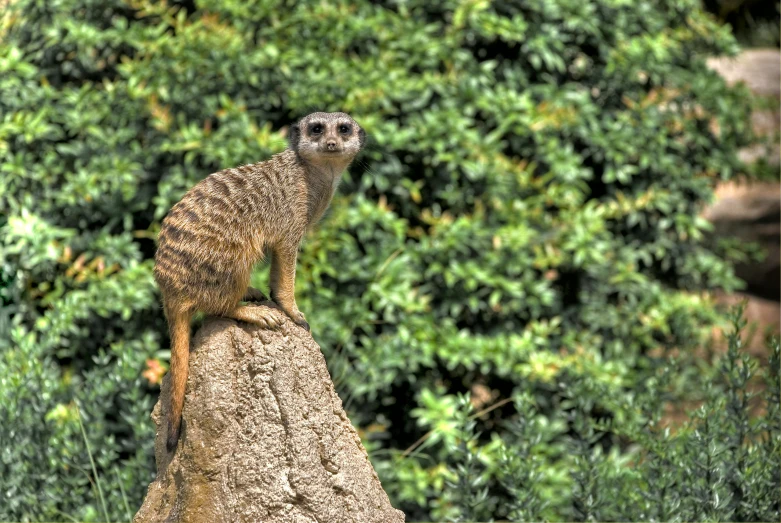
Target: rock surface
751,212
759,68
265,438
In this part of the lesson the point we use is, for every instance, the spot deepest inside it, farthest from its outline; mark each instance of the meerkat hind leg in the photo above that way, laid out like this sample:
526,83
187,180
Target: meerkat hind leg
263,316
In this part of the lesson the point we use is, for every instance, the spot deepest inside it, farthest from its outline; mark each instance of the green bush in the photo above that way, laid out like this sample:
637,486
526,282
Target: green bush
723,464
525,223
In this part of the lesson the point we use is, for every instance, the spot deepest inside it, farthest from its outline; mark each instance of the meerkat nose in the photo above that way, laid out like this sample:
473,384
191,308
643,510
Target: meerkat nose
331,145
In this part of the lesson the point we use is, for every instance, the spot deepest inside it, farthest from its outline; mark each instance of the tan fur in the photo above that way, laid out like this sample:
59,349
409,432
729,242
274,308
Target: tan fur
211,239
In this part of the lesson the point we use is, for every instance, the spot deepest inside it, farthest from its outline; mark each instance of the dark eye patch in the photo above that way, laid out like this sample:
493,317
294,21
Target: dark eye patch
316,128
345,128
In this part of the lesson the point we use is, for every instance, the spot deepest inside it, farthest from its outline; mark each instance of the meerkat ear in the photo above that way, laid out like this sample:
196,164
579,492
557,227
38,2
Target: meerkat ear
361,136
293,136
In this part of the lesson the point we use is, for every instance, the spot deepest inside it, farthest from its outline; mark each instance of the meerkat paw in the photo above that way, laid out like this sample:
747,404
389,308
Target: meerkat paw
263,316
291,309
254,294
270,320
300,319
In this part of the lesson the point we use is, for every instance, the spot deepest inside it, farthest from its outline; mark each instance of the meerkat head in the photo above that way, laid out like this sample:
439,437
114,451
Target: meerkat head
328,139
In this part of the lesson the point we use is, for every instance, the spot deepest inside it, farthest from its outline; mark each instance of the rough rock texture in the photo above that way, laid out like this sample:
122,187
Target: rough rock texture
265,437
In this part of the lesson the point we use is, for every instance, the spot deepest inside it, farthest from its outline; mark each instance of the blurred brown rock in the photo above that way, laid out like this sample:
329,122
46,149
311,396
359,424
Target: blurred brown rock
752,212
760,69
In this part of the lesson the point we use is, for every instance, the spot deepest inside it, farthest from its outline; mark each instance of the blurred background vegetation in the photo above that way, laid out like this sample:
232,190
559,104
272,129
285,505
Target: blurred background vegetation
755,23
512,288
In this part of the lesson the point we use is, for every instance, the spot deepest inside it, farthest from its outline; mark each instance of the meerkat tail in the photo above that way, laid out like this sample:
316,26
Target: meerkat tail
180,359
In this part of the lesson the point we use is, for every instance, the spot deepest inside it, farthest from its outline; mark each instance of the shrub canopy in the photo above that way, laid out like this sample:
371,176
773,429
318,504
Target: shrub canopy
525,221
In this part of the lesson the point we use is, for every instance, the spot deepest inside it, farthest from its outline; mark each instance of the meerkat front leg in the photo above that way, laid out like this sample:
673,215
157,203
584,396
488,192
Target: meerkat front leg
283,281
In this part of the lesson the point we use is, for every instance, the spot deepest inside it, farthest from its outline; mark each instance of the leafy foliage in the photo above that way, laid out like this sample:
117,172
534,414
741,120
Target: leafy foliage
525,223
723,464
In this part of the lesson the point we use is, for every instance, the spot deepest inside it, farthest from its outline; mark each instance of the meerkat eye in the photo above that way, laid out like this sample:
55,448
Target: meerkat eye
316,128
345,128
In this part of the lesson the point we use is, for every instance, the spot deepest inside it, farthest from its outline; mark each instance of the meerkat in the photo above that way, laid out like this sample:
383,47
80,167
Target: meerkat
212,238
